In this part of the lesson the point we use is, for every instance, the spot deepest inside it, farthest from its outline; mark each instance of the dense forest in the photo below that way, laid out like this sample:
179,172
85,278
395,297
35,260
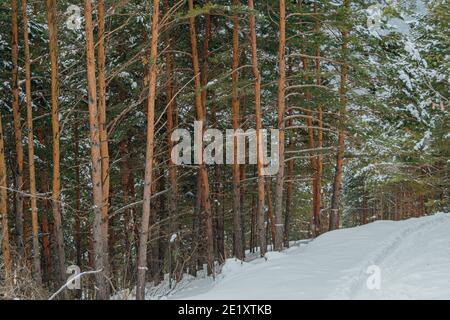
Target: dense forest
91,93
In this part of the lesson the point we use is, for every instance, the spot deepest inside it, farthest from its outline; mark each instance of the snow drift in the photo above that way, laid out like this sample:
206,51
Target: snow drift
382,260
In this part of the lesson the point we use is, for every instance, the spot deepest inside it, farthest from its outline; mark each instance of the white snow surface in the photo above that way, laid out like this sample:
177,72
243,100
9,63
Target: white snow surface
413,257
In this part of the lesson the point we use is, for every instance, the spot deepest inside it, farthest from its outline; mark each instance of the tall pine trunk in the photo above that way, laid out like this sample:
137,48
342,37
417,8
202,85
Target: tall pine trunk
206,204
56,182
315,221
144,231
290,184
77,195
238,248
127,231
32,170
319,162
101,56
260,208
281,126
204,76
170,97
4,209
17,129
337,183
270,215
47,273
100,243
219,204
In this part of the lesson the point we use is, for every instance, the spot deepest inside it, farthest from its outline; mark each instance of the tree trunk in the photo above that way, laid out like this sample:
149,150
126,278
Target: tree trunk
47,274
281,125
397,206
4,209
335,200
32,171
315,221
273,231
56,184
204,76
219,204
102,126
26,230
133,212
153,250
243,168
164,228
199,154
173,195
253,225
290,187
124,179
77,226
77,196
17,129
238,249
144,232
197,234
365,212
100,243
318,161
260,213
204,82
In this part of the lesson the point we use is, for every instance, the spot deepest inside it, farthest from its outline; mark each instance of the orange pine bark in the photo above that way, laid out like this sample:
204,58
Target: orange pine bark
290,184
44,220
270,212
4,209
37,274
77,196
260,208
337,183
202,169
104,152
238,248
17,129
279,188
148,179
100,243
170,125
318,161
56,182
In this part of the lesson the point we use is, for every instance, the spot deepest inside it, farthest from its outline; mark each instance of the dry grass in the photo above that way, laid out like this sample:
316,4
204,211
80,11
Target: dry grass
20,285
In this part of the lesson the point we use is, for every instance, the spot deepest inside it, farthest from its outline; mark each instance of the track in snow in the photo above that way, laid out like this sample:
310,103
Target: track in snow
413,257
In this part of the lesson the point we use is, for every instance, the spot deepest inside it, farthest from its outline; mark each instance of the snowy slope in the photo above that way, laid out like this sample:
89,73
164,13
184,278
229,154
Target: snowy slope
413,257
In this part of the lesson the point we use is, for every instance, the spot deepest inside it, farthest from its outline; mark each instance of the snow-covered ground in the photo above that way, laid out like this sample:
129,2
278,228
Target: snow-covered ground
382,260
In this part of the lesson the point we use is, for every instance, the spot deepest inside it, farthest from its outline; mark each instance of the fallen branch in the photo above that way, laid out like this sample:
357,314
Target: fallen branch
71,280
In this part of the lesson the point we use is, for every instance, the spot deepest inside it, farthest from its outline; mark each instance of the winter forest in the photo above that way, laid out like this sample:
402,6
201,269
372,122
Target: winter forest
94,95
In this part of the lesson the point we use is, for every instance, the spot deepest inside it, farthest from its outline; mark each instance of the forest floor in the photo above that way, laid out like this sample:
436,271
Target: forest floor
407,259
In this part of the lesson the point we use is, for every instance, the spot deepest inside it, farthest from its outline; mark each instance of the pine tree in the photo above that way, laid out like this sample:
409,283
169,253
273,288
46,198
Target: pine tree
260,207
144,231
17,128
238,250
32,170
203,174
6,251
100,242
56,180
279,228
